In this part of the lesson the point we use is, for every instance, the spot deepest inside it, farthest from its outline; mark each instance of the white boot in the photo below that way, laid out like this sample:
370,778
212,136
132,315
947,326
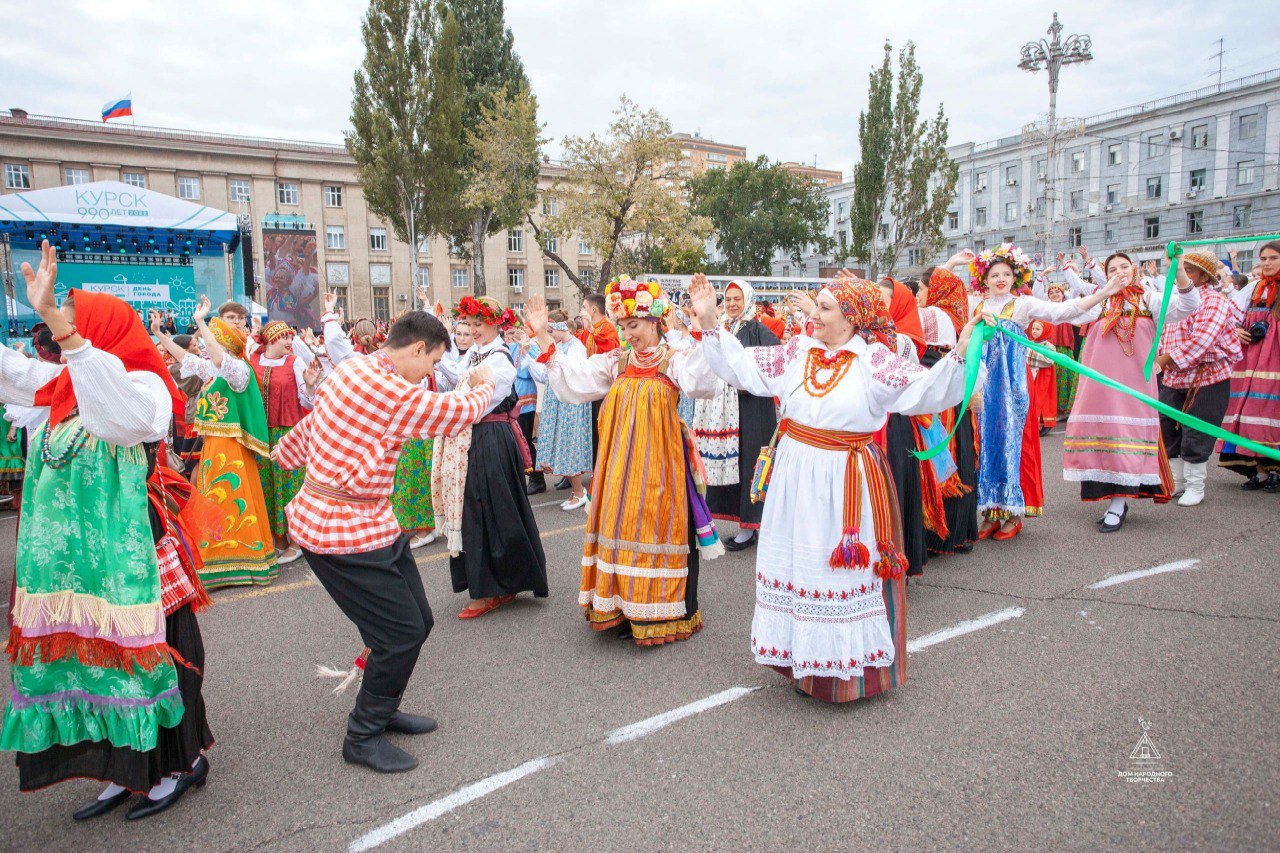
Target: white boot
1194,494
1178,467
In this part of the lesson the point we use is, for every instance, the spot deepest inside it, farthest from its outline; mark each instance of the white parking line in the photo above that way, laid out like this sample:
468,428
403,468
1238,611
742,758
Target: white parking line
652,724
444,805
962,628
1124,577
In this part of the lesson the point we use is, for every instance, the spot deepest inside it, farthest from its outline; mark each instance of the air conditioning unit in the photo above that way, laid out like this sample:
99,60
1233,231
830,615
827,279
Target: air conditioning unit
1175,135
1040,175
1107,207
842,219
1192,193
1012,182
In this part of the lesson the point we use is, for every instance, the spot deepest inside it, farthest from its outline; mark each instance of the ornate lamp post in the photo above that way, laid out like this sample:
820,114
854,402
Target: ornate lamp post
1052,55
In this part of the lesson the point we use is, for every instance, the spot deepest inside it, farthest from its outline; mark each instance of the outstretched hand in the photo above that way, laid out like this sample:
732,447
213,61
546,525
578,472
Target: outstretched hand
802,302
702,298
478,375
962,343
535,315
311,376
202,310
330,301
156,322
41,282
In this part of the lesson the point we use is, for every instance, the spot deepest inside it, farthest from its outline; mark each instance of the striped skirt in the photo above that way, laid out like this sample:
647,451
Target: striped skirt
1254,410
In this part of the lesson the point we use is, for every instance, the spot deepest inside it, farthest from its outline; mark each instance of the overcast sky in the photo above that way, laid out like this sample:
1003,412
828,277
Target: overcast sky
785,78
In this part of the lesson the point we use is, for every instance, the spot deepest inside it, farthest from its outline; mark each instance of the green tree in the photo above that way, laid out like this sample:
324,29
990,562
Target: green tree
905,180
620,193
488,67
391,118
758,208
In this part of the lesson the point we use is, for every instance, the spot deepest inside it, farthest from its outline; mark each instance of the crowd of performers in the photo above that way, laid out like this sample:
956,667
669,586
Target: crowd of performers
150,472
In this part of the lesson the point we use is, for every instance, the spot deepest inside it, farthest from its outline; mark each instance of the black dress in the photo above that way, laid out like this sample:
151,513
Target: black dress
757,420
501,547
962,512
901,440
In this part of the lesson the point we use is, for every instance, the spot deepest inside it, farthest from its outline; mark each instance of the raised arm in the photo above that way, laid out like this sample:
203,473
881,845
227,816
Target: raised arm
899,385
157,328
572,375
211,345
21,377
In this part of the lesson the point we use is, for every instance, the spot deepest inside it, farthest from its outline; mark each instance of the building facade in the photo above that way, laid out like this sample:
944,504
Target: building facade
821,177
278,184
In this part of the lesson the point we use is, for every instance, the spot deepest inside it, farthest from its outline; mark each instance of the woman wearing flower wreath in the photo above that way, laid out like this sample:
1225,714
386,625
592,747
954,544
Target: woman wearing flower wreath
830,590
1113,447
648,521
496,550
1009,471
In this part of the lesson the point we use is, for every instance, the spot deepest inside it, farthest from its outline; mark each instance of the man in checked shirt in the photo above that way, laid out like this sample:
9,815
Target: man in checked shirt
344,522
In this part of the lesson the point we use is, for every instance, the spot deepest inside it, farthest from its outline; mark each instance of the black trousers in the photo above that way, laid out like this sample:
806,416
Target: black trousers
526,426
381,592
1209,405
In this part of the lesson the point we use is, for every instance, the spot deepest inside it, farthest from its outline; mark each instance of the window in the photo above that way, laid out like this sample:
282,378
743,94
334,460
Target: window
953,220
1153,188
341,293
1244,173
551,243
842,209
979,181
1010,211
458,277
1153,145
1113,193
333,195
1200,136
1075,237
718,158
1249,126
584,248
914,257
378,239
1077,161
1242,215
550,206
980,245
337,273
1109,232
1113,154
1042,168
515,241
239,190
515,279
1040,204
1244,260
1077,200
1010,174
551,279
286,193
979,217
424,278
134,179
189,188
382,303
335,237
1195,221
1151,227
884,230
587,276
1197,179
380,274
75,177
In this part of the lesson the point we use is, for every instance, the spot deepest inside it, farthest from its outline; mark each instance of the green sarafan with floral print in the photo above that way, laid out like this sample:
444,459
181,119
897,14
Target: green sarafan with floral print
234,414
89,656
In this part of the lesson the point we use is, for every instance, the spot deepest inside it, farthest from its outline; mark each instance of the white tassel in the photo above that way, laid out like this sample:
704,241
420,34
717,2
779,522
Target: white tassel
349,677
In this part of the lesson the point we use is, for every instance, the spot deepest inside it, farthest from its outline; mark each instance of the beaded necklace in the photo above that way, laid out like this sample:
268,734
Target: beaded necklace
817,361
646,359
57,462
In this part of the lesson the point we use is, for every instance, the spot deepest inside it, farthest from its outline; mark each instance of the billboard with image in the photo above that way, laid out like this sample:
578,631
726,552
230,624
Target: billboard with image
292,282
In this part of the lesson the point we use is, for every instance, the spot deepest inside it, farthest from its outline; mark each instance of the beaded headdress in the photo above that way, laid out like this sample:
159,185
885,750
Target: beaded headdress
275,330
626,299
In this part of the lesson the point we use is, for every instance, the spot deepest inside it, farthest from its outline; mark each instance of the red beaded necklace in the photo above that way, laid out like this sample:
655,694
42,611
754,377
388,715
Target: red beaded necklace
818,361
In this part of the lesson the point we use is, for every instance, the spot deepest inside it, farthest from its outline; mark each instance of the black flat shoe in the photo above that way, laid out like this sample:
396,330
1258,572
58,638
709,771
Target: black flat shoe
563,484
411,724
146,807
535,489
1107,527
1272,484
624,632
1252,484
101,807
735,545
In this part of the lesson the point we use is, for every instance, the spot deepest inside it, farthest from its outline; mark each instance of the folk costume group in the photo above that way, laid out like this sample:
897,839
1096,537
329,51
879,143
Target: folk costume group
357,452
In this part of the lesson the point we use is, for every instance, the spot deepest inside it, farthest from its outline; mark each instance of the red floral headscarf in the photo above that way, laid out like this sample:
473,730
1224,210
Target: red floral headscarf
947,292
861,303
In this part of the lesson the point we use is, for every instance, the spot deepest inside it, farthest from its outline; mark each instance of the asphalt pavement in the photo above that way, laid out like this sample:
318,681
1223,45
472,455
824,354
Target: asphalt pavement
1026,732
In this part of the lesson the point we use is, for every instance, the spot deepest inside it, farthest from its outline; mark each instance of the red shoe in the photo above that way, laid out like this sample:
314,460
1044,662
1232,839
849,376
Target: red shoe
1001,536
468,613
986,533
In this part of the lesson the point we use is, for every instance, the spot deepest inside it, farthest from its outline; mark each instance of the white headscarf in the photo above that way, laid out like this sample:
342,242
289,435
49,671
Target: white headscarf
749,305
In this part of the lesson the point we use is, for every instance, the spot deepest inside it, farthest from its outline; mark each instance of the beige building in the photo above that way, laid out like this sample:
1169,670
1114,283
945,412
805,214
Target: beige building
821,177
272,182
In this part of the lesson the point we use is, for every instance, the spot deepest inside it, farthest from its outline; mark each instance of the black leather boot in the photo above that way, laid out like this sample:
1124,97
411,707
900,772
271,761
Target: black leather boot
366,742
411,724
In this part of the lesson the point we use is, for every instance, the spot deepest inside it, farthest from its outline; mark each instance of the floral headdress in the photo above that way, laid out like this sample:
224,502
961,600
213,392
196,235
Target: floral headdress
862,304
1006,253
626,298
488,311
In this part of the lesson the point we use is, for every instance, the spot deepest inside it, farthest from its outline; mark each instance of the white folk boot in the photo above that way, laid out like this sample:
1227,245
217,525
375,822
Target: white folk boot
1178,467
1194,494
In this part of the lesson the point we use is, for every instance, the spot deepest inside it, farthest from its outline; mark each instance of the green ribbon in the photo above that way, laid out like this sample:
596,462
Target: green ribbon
1173,250
973,361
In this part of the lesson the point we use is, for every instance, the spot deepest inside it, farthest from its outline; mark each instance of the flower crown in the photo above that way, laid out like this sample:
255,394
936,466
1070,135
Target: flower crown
1007,253
487,311
626,299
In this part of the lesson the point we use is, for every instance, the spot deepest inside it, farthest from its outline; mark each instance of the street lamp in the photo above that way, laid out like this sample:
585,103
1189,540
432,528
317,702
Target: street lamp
1052,55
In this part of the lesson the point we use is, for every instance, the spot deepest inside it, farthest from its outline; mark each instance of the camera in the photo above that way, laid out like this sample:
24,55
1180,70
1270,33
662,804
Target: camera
1258,330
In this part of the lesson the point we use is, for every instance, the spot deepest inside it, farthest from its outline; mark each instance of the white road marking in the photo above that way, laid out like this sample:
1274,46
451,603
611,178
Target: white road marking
651,725
962,628
444,805
1178,566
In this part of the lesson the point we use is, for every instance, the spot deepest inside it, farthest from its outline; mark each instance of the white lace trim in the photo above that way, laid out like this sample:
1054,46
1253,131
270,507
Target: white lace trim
1113,419
1080,475
633,571
636,547
631,609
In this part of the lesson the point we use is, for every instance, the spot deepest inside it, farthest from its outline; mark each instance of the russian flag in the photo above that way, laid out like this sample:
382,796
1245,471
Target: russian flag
118,108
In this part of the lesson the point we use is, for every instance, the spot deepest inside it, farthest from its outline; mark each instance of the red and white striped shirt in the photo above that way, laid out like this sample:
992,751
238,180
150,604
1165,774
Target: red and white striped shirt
1203,346
350,443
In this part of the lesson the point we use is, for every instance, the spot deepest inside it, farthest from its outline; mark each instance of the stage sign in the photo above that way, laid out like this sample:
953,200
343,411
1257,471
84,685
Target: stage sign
292,282
164,288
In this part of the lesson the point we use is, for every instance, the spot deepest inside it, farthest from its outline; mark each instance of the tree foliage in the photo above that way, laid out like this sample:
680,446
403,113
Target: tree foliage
905,178
621,194
758,208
